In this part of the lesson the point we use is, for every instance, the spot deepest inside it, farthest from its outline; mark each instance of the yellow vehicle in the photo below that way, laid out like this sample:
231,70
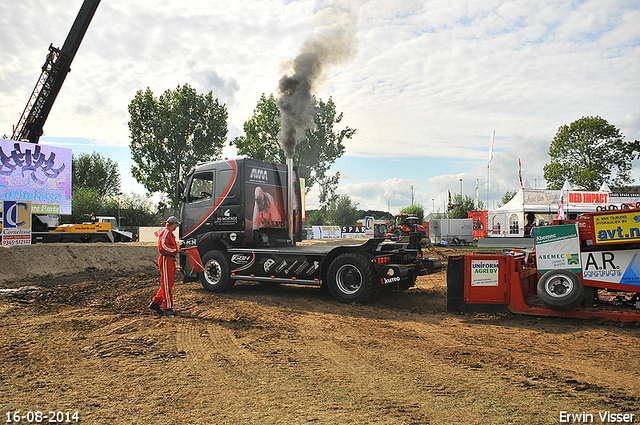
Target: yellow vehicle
99,229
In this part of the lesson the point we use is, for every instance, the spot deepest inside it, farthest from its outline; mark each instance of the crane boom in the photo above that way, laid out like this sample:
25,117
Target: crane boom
54,71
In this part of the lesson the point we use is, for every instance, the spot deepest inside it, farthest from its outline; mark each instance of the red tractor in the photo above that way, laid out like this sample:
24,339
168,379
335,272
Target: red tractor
405,224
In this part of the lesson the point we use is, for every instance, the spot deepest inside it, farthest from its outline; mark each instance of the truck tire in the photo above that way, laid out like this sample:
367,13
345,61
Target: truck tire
350,277
560,290
215,277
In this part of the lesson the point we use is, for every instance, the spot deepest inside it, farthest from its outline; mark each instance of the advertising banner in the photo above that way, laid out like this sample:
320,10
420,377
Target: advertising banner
594,198
612,266
37,174
368,227
16,223
557,247
484,272
326,232
357,232
620,227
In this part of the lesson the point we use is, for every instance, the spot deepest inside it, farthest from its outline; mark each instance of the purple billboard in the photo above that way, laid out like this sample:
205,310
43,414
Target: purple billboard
38,174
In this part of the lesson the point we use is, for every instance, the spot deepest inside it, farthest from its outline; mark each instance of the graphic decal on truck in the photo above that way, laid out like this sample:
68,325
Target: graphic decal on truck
268,264
246,259
222,197
226,219
240,259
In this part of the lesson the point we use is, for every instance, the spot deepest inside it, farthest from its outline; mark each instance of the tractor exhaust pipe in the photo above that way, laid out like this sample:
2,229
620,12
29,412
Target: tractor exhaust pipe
290,194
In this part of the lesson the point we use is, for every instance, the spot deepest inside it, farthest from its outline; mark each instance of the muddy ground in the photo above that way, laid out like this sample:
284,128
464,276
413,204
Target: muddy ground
84,341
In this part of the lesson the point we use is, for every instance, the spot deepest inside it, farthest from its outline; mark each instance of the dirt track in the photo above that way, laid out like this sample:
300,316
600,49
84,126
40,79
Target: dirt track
292,355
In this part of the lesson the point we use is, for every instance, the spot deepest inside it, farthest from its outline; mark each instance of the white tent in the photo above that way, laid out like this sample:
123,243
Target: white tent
540,207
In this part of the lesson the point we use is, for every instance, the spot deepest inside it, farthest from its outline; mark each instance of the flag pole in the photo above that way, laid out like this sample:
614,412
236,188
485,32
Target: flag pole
493,135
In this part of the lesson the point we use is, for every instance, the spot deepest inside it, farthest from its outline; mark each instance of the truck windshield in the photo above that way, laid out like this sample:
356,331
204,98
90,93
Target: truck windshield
201,187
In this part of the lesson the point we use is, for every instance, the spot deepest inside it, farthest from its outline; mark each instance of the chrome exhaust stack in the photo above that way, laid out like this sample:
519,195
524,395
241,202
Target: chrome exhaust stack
290,195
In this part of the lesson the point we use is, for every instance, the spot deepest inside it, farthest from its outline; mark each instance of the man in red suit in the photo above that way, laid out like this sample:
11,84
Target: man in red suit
168,248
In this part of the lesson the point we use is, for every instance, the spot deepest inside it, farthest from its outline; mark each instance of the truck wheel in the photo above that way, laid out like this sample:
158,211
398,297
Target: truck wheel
351,277
215,277
560,290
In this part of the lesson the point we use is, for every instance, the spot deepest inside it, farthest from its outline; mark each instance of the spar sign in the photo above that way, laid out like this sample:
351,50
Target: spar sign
557,247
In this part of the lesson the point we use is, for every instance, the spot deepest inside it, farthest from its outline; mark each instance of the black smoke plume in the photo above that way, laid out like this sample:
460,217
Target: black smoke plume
330,46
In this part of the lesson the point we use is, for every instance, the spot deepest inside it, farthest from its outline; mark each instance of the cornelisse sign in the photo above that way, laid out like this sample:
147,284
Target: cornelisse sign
16,223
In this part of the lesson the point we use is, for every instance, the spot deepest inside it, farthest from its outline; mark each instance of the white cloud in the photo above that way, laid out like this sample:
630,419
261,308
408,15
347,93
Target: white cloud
429,79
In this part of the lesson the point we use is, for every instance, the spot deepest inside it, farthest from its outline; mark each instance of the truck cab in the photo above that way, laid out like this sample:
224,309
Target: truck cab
239,202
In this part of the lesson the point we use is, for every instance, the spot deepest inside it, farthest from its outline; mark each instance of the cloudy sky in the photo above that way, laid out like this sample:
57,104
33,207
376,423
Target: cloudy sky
425,86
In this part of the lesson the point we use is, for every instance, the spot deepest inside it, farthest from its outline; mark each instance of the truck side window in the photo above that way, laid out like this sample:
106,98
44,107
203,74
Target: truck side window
224,178
201,187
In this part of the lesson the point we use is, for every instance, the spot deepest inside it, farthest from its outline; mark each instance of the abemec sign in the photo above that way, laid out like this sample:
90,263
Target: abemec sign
557,247
16,223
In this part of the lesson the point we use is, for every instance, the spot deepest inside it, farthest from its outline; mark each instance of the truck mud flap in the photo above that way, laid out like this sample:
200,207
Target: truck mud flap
394,274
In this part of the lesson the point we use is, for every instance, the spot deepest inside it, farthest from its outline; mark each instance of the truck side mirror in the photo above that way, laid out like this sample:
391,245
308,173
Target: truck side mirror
180,191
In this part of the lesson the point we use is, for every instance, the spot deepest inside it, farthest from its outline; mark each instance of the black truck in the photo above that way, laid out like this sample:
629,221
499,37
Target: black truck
238,214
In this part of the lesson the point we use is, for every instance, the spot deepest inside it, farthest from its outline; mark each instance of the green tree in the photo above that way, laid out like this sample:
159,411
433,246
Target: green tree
342,211
131,210
463,204
508,195
587,153
314,155
84,201
93,171
416,209
315,217
170,134
376,214
261,130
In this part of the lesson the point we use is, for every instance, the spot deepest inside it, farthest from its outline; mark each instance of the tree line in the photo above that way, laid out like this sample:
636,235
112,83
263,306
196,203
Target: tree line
171,133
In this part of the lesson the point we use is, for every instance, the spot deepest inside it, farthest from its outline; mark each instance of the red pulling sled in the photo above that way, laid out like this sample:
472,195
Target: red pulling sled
589,267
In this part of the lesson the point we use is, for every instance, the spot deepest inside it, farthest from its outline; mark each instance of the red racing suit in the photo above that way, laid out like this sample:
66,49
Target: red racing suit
168,248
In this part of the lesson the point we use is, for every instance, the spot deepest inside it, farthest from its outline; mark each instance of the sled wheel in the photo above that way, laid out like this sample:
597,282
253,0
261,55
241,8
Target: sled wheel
215,277
560,290
351,277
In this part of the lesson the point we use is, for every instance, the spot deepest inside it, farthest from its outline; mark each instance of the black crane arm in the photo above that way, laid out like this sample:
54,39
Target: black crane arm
54,71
